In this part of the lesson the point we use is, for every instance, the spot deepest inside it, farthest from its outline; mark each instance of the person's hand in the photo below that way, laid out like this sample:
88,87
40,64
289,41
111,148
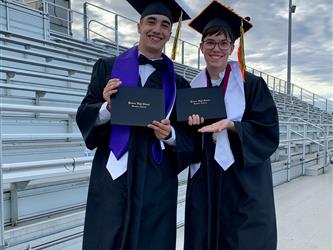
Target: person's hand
109,90
218,126
195,120
162,130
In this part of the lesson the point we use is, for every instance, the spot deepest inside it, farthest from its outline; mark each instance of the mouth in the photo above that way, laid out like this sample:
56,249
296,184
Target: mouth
154,38
216,56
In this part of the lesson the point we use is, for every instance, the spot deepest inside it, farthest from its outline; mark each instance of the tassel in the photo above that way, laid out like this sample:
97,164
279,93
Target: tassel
175,41
241,55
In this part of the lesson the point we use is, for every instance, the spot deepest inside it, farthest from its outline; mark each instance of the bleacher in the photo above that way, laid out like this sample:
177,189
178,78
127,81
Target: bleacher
45,165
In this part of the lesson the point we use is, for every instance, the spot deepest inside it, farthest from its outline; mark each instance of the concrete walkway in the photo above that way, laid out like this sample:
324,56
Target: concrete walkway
304,214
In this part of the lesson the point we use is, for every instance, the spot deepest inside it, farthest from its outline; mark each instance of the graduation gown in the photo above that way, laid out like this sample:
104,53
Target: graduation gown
138,209
234,209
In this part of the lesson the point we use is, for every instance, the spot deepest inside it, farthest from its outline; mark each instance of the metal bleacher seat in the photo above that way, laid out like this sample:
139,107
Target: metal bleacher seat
45,164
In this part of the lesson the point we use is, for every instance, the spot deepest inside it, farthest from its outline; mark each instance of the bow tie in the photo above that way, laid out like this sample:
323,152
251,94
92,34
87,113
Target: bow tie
157,64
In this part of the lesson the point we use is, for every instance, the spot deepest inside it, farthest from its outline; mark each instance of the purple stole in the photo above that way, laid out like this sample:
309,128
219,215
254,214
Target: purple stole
126,68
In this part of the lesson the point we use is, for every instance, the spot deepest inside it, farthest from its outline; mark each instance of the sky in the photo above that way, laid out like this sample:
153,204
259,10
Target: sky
266,44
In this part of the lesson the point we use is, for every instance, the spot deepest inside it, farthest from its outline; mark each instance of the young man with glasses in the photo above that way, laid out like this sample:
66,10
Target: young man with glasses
229,203
132,197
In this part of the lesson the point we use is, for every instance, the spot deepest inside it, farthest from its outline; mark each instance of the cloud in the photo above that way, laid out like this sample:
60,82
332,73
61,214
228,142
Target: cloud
266,44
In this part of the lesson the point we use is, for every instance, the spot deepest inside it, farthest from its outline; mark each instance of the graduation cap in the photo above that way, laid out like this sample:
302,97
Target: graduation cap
168,8
218,14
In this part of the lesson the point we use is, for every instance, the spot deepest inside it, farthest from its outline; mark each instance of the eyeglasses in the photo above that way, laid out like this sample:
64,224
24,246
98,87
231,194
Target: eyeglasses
210,44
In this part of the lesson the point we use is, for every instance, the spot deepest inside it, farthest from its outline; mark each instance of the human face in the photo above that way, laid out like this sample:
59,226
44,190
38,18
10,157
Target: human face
216,58
155,31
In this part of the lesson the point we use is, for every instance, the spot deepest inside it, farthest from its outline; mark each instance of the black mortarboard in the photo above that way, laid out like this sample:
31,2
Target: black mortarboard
169,8
219,14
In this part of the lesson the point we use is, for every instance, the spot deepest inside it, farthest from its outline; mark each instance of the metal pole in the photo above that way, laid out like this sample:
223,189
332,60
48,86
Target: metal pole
289,151
305,130
326,148
2,221
183,48
85,21
291,10
68,22
116,33
7,16
45,14
199,57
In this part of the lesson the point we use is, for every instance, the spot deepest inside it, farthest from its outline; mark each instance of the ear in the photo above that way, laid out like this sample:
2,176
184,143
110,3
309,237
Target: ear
231,49
201,47
139,28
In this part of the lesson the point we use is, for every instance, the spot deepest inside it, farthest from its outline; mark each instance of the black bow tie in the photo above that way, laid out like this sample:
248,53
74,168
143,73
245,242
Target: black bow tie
157,64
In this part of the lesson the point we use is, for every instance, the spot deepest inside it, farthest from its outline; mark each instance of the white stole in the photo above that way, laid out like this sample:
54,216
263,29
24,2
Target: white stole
234,100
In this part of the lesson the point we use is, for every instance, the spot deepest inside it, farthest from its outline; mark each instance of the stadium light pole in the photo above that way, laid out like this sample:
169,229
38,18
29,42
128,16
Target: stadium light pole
292,9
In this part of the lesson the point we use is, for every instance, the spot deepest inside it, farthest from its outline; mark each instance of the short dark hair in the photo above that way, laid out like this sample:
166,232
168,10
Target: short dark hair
218,30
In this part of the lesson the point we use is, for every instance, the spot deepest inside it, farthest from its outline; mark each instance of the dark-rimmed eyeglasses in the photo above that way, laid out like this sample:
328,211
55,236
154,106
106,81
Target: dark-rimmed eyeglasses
210,44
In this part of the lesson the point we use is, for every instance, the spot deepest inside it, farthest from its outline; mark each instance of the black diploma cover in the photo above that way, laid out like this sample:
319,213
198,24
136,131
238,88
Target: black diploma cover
137,106
206,102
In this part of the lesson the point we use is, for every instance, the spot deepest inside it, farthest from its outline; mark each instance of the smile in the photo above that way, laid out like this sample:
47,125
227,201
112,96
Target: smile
155,38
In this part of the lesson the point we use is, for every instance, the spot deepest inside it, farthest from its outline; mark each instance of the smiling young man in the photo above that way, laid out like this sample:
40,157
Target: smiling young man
132,198
229,203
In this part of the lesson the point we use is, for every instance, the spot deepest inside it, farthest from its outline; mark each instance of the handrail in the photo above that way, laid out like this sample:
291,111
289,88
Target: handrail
305,138
108,39
109,11
38,109
96,33
304,121
302,139
41,136
41,89
9,167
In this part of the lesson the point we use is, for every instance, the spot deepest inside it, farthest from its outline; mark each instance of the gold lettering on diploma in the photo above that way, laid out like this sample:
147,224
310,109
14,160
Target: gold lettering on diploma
200,101
140,105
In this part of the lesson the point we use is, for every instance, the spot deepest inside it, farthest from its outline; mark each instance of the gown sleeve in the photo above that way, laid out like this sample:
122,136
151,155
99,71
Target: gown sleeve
89,109
258,132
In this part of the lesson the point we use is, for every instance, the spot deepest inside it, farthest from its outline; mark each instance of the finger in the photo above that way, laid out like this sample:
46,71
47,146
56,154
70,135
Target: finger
197,119
161,125
113,92
159,129
206,129
160,134
166,122
202,120
113,83
152,126
113,80
190,120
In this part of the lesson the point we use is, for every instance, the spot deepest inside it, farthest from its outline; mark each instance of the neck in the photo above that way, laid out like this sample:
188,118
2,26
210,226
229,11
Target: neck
150,54
214,72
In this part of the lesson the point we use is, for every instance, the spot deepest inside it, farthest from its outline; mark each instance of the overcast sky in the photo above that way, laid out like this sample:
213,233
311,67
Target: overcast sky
266,43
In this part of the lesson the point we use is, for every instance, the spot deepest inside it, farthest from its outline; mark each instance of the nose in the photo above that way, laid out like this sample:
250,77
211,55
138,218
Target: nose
156,29
216,48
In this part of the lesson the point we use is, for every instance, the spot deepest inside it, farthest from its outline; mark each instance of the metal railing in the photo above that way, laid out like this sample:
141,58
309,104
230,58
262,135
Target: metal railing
280,86
275,84
322,141
2,216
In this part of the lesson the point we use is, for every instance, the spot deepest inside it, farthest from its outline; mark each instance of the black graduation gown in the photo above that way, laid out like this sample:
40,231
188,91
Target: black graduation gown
234,209
137,210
